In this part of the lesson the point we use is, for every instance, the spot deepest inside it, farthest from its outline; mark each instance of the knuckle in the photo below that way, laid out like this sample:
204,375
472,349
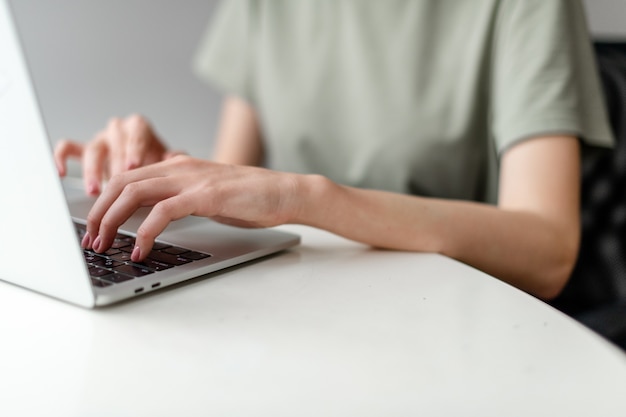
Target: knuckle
136,119
144,234
113,123
99,138
96,146
164,208
116,182
92,220
181,159
107,224
63,143
132,191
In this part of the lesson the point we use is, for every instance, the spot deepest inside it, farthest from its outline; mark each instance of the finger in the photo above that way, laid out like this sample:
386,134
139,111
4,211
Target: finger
116,138
94,159
163,213
139,136
133,196
63,150
113,190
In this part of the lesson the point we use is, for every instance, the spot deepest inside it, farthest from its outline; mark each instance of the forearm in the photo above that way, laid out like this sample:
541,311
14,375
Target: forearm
530,251
239,140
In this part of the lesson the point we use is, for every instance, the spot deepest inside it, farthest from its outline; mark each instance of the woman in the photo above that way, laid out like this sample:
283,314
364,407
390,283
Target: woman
437,126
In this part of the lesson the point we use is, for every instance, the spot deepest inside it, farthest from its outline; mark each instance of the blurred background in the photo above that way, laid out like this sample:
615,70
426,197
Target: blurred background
93,59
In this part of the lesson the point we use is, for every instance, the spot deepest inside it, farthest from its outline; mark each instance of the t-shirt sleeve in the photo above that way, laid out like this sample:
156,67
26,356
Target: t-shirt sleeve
224,57
545,79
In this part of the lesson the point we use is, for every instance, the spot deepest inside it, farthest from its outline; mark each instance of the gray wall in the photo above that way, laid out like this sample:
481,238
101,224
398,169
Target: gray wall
92,59
607,18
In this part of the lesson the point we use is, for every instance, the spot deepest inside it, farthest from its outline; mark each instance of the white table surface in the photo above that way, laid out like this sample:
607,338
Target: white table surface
331,328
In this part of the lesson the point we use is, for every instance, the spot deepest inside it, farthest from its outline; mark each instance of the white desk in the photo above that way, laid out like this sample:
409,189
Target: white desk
328,329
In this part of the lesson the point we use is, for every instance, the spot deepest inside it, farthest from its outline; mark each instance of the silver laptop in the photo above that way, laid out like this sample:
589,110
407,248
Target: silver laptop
41,215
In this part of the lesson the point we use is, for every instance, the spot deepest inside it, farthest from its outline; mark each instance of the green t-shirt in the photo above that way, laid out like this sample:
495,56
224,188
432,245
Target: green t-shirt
412,96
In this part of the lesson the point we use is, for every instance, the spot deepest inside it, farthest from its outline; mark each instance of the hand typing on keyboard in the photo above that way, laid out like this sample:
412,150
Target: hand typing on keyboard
115,265
123,145
237,195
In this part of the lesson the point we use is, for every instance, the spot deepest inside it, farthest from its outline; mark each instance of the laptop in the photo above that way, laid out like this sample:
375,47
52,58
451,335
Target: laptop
42,216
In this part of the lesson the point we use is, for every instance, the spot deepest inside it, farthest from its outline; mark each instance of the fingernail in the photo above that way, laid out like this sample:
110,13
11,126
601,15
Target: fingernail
85,242
136,255
96,244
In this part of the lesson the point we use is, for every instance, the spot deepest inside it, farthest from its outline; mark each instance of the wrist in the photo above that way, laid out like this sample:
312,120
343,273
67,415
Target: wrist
314,198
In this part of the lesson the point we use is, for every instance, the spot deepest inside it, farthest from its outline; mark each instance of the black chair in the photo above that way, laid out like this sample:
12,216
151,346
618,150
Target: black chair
596,293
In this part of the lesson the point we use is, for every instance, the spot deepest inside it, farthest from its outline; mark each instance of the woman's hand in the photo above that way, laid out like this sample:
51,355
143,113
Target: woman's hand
125,144
181,186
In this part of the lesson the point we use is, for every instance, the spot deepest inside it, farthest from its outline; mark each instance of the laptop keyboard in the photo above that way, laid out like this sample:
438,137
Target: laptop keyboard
114,265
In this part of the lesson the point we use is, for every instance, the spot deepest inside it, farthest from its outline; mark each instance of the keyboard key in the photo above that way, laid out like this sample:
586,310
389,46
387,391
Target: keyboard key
97,272
117,278
99,283
120,243
167,258
121,236
107,263
175,250
160,246
133,270
115,265
154,265
112,252
194,256
122,256
91,257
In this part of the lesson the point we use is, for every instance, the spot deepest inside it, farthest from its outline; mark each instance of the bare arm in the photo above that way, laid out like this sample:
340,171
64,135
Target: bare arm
239,140
530,239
